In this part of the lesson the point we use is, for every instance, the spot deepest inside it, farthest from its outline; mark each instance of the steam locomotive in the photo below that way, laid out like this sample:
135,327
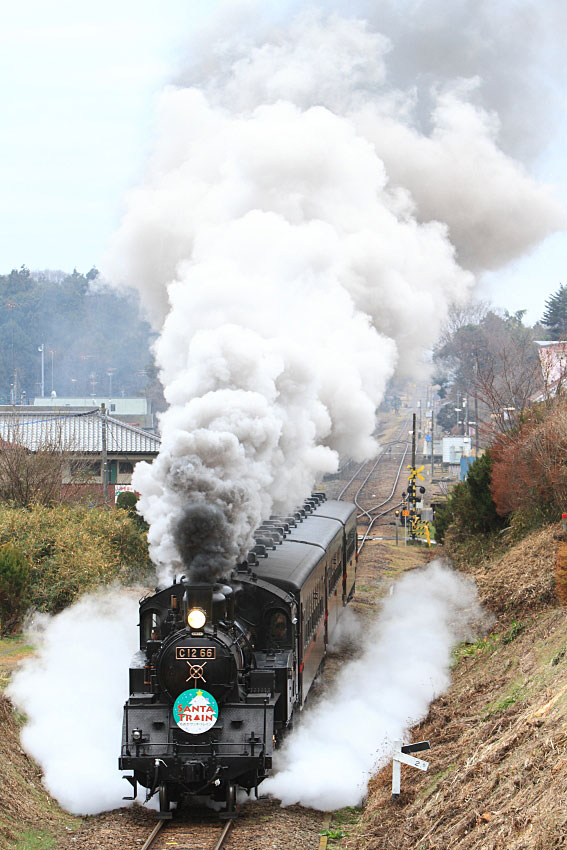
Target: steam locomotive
224,669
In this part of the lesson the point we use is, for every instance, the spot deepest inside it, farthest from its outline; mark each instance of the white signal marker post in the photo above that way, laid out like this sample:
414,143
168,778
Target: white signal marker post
402,756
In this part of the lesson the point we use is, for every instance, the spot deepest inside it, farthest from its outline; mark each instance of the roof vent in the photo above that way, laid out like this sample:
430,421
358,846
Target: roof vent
277,526
291,521
265,541
281,523
270,532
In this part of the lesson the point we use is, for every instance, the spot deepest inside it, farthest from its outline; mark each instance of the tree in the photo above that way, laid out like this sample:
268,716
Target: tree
529,472
14,588
555,315
496,363
36,477
470,505
93,336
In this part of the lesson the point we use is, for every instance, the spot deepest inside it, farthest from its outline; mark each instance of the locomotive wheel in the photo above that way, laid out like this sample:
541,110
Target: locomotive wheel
230,798
163,798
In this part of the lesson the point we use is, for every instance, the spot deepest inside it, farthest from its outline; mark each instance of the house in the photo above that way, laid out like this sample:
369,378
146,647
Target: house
553,361
83,440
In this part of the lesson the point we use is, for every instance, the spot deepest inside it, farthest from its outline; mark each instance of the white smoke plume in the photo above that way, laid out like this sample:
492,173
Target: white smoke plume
298,237
402,665
72,693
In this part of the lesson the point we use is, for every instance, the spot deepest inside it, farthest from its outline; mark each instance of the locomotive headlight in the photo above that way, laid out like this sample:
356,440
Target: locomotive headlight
196,618
137,734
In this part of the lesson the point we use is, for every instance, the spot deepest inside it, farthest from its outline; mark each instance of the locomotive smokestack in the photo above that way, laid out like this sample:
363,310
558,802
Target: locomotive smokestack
199,596
202,536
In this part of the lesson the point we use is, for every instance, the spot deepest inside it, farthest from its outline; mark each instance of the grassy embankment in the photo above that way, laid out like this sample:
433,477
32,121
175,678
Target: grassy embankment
67,552
498,763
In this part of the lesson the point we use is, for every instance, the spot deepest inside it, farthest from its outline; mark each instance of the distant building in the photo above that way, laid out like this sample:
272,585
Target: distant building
454,448
136,411
81,436
553,362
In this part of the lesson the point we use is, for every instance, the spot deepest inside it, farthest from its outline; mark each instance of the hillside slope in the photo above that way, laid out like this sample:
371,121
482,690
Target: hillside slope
498,762
27,812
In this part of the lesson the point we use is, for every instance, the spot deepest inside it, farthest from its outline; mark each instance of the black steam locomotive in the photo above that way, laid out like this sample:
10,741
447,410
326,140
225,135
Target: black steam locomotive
223,669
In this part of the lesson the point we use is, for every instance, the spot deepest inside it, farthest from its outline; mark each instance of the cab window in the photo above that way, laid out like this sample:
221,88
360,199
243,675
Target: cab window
279,628
149,627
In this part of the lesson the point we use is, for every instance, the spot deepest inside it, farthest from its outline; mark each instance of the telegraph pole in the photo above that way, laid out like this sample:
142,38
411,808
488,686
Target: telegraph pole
104,458
413,442
41,349
432,441
411,483
476,426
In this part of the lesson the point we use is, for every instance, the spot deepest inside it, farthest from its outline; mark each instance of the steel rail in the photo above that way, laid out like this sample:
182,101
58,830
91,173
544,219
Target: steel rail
153,835
373,520
397,478
224,834
399,439
160,823
356,474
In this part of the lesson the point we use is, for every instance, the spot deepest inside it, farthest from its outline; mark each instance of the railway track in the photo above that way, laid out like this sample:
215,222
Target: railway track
188,835
383,475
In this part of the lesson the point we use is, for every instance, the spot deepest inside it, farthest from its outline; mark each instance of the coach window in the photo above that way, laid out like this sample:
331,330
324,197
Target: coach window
351,543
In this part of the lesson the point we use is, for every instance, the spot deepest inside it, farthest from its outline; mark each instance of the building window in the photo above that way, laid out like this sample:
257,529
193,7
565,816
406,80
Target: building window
93,468
125,467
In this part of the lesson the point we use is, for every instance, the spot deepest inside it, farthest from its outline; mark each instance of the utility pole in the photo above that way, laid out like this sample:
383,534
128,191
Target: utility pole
104,459
476,426
413,442
412,498
432,441
41,349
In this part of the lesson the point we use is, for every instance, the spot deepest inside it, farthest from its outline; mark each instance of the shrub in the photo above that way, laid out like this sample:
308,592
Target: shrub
530,473
72,549
127,501
15,575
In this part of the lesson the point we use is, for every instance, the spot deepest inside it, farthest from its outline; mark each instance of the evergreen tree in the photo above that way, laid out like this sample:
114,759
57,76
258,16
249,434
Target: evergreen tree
555,315
470,504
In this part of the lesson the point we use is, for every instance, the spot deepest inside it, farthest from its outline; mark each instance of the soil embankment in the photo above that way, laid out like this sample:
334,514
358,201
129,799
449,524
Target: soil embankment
498,763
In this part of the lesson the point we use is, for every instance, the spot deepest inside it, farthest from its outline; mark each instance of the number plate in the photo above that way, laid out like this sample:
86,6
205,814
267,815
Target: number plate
186,653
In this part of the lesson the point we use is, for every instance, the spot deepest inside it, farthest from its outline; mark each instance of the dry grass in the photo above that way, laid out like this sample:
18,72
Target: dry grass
498,764
25,803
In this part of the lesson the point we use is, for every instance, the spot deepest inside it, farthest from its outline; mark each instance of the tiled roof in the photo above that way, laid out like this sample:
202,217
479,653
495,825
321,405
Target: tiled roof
79,432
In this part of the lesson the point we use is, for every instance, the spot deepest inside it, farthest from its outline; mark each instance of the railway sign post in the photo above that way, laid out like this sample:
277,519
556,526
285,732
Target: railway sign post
402,755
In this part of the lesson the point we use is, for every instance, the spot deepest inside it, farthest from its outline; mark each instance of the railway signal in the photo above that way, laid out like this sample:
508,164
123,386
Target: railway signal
414,475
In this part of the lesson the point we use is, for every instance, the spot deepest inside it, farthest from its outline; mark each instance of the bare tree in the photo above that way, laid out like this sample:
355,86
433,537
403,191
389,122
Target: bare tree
495,363
36,475
461,315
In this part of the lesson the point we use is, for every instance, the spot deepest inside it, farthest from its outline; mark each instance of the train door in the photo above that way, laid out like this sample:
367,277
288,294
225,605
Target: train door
326,597
300,653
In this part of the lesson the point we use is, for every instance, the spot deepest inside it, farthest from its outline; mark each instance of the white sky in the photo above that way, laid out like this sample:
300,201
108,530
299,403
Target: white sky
77,90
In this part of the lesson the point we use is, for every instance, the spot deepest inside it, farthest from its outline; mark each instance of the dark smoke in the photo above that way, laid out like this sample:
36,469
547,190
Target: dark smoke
203,539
